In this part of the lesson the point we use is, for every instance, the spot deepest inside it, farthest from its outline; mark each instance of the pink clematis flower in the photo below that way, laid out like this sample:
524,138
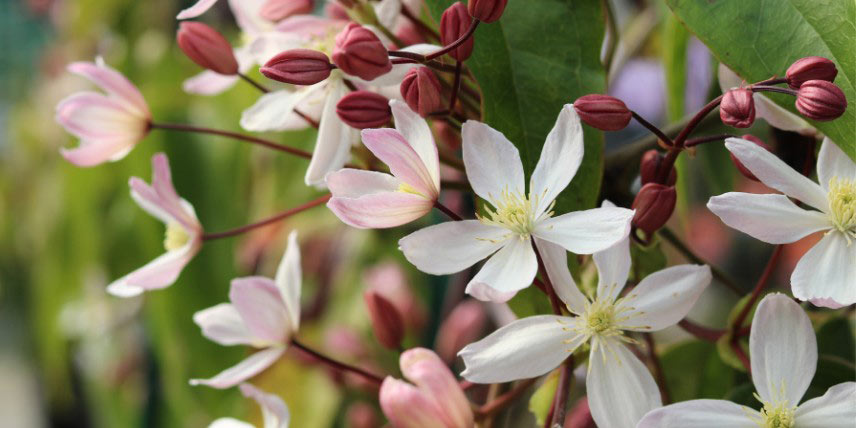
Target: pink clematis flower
108,125
264,313
275,413
183,233
374,200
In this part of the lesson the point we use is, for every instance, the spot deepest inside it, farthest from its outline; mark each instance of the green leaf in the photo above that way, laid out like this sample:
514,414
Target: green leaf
759,40
542,399
538,57
693,370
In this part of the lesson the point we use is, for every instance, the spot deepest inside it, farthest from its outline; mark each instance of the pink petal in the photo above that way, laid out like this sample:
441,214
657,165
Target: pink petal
114,83
380,210
260,304
432,376
404,163
309,26
251,366
197,9
91,153
274,410
159,273
161,200
223,324
415,130
95,117
208,83
406,406
353,183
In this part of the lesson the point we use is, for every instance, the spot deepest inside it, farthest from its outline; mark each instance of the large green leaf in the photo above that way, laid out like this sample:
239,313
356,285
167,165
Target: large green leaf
761,39
539,56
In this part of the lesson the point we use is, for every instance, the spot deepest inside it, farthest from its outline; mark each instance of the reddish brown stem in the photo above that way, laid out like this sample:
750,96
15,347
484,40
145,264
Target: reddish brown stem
756,292
446,49
704,333
561,398
248,138
252,82
337,364
279,217
710,138
504,400
658,368
446,210
654,130
456,86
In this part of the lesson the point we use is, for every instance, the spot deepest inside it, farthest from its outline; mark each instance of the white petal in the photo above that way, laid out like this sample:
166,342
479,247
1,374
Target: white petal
197,9
524,349
512,268
555,260
769,218
208,83
783,350
773,172
832,162
251,366
223,324
271,110
493,164
159,273
560,159
452,246
274,411
415,130
617,376
247,15
230,423
613,267
335,138
387,12
700,414
665,297
586,232
835,409
827,271
289,280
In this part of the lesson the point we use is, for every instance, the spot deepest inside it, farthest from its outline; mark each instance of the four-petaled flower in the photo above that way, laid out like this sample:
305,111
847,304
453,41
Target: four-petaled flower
275,413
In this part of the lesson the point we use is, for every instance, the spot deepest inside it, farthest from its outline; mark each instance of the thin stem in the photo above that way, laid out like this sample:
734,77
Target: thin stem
658,368
446,49
248,138
504,400
451,214
701,332
337,364
738,351
762,88
774,81
691,256
701,140
456,86
694,121
561,398
756,292
257,85
404,57
273,219
656,131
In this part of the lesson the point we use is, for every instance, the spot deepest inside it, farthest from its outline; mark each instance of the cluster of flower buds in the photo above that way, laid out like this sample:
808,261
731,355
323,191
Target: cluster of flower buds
654,205
298,67
453,25
487,10
818,97
421,91
359,52
364,109
737,108
206,47
603,112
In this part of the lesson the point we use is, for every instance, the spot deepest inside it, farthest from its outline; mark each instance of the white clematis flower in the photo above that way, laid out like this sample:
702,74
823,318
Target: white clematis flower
825,275
495,172
535,345
275,413
783,350
263,313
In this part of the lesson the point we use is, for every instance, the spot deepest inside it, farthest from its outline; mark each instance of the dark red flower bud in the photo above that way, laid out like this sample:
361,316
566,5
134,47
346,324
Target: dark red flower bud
360,53
821,100
206,47
743,170
487,10
649,168
421,90
364,109
603,112
453,24
277,10
810,68
298,67
654,205
737,108
335,10
387,323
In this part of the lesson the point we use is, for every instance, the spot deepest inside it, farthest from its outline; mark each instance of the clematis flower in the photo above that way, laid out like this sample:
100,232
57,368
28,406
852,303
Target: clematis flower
783,349
825,274
433,400
264,313
372,200
533,346
183,232
275,413
108,126
495,172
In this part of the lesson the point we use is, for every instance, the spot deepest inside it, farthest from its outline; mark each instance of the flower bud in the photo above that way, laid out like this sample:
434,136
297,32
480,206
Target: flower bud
810,68
743,170
821,100
463,326
737,108
453,24
362,415
277,10
487,10
421,90
408,33
649,168
603,112
654,205
360,53
206,47
298,67
580,415
386,321
364,109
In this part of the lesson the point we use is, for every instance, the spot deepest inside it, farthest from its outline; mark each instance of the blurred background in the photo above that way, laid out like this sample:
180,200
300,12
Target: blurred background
72,356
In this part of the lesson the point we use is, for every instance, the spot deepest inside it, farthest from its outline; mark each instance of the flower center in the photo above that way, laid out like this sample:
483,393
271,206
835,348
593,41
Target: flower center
176,237
842,206
406,188
324,43
515,212
777,415
600,319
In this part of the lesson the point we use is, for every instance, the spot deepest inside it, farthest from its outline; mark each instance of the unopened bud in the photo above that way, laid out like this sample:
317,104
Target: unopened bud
580,415
364,109
463,326
298,67
737,108
362,415
810,68
821,100
654,205
277,10
603,112
360,53
487,10
421,90
387,324
453,25
206,47
743,170
649,168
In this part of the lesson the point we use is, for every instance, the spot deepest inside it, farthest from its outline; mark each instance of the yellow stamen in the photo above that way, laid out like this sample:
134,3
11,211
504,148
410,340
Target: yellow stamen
176,237
842,206
406,188
515,212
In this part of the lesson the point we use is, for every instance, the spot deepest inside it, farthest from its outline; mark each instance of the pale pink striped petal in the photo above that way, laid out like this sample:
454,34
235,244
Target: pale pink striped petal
407,407
289,280
261,306
415,131
431,375
159,273
251,366
380,210
197,9
274,411
114,83
353,183
309,26
95,117
208,83
404,163
90,153
223,324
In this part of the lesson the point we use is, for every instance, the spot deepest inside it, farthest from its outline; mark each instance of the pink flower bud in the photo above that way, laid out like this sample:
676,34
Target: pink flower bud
362,415
603,112
743,170
364,109
389,279
810,68
649,168
821,100
206,47
453,24
298,67
421,90
463,326
277,10
654,205
360,53
580,415
487,10
335,10
386,321
737,108
408,33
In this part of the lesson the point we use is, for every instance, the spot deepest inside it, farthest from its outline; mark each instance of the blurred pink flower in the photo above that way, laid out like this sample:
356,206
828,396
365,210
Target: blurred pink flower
389,280
463,326
275,413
